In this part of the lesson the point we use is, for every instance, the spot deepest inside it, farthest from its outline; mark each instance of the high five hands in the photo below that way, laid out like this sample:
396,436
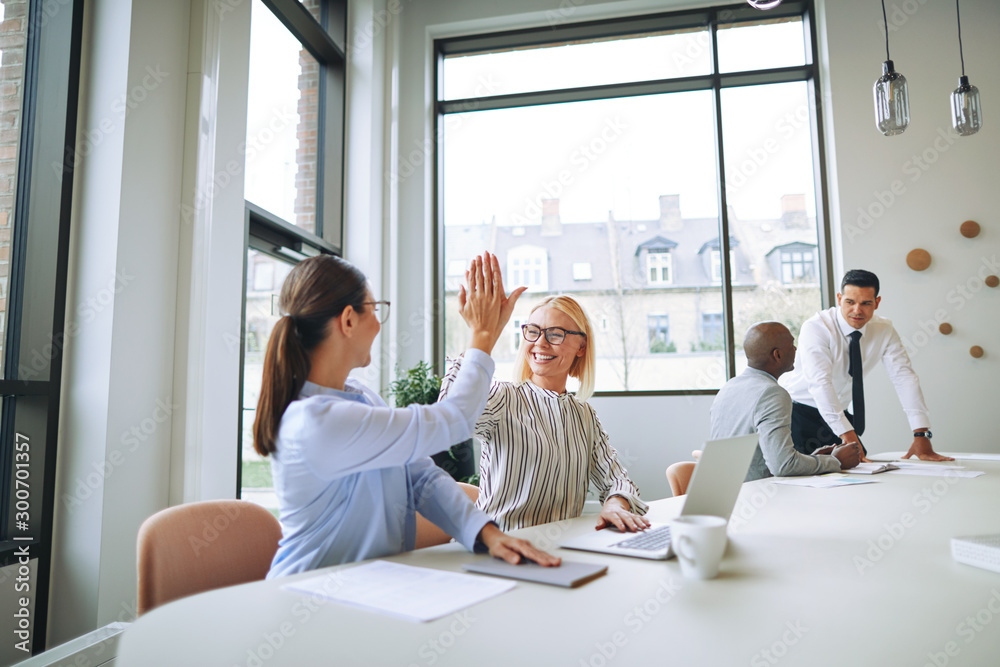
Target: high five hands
482,302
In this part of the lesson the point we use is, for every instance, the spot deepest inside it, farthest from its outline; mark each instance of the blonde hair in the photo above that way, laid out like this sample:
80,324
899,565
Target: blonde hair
583,368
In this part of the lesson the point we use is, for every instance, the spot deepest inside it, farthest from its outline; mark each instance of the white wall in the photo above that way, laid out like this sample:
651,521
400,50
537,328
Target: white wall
118,367
956,184
151,373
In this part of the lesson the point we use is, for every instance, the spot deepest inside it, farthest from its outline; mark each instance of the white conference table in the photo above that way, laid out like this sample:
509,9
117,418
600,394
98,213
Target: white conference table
858,575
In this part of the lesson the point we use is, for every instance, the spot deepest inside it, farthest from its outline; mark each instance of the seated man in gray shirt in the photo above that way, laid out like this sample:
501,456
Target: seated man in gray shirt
754,402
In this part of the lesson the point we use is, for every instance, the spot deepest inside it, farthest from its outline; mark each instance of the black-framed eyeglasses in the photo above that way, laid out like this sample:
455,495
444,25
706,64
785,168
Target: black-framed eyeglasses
554,335
381,309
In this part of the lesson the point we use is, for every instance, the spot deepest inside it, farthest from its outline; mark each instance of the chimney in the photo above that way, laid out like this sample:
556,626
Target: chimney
551,224
793,211
670,212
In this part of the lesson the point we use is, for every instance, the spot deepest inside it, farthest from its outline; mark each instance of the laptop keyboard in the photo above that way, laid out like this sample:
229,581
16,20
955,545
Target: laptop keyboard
652,539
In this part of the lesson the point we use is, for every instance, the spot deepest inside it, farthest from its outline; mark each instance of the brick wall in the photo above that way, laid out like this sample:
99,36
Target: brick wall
306,153
13,34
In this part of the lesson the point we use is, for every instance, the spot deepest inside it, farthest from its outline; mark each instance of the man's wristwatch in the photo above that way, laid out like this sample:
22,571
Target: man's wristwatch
923,434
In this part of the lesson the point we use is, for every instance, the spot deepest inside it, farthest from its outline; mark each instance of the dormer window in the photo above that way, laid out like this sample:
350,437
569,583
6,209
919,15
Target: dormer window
716,259
711,253
528,265
659,260
660,267
795,263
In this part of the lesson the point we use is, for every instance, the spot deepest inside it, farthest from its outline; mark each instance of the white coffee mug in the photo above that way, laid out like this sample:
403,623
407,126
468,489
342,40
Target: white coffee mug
699,541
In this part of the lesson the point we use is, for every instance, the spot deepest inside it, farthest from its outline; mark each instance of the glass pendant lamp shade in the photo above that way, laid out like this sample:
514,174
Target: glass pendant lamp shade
763,4
966,112
892,101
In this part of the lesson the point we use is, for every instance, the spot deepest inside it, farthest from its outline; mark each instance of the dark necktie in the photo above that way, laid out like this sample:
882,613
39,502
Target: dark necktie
857,386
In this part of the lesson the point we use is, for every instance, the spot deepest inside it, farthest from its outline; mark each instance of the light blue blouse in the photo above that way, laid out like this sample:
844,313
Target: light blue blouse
350,472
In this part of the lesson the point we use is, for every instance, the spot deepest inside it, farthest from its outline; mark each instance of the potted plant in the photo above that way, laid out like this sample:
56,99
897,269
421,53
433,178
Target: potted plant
420,385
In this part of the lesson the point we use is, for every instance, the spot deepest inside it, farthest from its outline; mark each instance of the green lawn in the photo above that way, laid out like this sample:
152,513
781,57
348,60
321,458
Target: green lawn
257,475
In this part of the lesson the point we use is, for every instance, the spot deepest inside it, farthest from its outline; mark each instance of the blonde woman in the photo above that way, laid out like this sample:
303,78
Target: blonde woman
542,445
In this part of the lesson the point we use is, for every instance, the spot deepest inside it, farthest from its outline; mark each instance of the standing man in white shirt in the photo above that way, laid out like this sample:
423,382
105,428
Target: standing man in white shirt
832,345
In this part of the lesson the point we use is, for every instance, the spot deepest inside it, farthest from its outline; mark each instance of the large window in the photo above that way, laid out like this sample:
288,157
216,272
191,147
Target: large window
293,179
40,69
641,160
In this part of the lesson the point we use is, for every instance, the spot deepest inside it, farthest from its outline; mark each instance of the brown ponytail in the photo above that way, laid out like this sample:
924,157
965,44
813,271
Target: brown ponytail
315,291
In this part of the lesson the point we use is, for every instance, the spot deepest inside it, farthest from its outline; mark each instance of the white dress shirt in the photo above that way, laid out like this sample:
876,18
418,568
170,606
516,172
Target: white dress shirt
541,449
821,380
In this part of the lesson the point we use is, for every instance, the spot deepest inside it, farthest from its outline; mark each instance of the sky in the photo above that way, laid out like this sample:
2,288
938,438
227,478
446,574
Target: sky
620,155
272,114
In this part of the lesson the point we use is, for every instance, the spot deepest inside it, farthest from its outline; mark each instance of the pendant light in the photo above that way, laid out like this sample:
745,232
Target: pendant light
892,101
966,112
763,4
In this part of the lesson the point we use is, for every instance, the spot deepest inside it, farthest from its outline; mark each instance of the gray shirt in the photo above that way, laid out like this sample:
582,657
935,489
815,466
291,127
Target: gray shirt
754,402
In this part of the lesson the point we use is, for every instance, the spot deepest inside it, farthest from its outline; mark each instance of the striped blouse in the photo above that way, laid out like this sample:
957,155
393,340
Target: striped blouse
540,449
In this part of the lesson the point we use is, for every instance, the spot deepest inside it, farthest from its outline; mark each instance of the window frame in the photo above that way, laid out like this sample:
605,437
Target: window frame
51,64
270,234
664,260
792,262
712,18
655,323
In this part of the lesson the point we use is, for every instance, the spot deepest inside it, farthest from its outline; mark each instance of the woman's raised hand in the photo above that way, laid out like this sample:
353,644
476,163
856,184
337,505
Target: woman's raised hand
482,302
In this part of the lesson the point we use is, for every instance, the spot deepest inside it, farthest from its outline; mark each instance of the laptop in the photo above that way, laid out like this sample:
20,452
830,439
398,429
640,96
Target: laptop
713,489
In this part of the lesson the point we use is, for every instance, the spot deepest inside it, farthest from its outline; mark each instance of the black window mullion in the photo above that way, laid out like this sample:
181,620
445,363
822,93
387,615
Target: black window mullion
19,228
582,94
825,251
307,30
725,268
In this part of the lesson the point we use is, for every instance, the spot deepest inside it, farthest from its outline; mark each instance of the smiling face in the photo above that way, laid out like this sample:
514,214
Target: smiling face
858,304
550,363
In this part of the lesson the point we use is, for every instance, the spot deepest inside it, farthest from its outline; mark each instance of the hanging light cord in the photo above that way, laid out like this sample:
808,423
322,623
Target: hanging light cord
885,22
959,15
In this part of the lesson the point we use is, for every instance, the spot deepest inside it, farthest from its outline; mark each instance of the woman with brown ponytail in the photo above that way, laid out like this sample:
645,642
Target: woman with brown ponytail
350,472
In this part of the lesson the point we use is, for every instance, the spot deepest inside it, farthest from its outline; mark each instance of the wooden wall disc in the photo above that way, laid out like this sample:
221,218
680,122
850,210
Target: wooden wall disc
970,229
992,281
945,328
918,259
976,351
